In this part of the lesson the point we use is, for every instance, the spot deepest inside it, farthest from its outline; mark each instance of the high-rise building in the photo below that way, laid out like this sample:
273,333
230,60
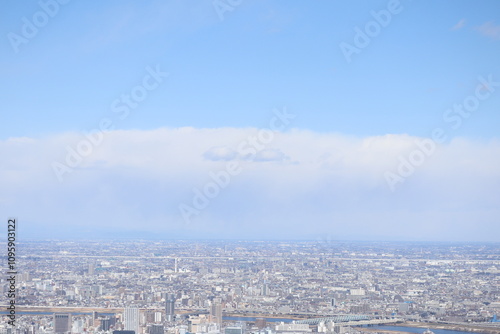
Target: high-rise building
62,323
265,289
105,324
149,317
216,311
170,307
91,269
131,319
156,329
77,327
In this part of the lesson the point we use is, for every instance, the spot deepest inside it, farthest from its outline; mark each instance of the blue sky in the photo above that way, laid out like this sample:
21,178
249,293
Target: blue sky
228,73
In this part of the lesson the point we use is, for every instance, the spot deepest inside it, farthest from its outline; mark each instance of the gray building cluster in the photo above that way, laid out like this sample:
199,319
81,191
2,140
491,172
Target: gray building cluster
156,287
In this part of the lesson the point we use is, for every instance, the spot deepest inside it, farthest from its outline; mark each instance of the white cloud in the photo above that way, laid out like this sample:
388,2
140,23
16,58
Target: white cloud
460,24
270,155
301,183
218,153
489,29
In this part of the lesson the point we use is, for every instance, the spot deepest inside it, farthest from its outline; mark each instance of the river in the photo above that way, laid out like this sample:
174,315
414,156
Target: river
418,330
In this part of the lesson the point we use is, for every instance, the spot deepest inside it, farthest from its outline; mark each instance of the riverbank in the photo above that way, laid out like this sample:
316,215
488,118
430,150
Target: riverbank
473,328
384,331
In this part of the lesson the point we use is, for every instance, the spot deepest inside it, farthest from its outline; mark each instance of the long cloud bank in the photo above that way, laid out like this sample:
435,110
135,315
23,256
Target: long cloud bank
252,183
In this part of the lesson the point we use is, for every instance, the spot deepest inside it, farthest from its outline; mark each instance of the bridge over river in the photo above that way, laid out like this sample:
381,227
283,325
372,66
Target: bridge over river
344,320
351,320
313,319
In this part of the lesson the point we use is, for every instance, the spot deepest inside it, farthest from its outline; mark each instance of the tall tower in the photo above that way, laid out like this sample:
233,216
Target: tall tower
91,269
105,324
170,307
131,319
265,289
216,311
62,323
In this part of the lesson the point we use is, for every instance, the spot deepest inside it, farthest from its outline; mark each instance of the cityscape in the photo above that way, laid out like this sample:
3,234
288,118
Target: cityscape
178,287
250,167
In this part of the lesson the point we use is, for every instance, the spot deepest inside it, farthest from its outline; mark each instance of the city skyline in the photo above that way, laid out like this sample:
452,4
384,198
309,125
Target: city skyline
245,287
